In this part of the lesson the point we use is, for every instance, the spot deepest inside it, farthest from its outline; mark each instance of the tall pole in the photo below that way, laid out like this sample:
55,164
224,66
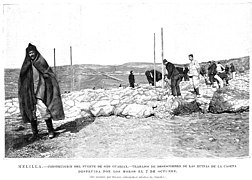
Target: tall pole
154,60
72,69
71,60
162,57
54,59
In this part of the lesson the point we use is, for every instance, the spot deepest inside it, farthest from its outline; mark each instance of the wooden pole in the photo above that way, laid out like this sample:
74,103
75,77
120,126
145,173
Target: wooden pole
72,69
154,60
71,56
54,59
162,43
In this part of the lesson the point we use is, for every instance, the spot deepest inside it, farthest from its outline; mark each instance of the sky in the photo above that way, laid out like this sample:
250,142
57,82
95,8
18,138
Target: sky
115,32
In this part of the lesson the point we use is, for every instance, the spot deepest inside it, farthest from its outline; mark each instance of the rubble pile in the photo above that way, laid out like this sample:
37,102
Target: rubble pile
144,101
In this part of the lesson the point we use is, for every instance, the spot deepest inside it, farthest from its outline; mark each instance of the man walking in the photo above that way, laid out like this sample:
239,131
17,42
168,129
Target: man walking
38,89
132,79
194,71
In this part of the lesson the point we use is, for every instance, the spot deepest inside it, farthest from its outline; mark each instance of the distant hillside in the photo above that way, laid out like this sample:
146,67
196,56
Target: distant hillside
240,63
141,67
138,64
101,76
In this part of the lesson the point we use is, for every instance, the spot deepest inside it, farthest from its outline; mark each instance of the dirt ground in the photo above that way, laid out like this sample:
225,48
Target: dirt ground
195,135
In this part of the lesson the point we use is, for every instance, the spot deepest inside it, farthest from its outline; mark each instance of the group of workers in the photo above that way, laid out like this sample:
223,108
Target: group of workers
215,75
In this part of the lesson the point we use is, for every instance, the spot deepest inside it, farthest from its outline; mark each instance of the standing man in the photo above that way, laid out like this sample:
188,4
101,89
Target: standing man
227,69
185,72
175,77
132,79
232,70
211,71
194,71
38,89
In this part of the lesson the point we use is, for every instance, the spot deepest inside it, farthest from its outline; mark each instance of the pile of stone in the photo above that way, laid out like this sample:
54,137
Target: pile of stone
126,102
11,107
145,100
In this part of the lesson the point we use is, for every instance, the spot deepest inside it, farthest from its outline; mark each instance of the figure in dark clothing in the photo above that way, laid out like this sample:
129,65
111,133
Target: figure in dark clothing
175,77
215,76
186,77
203,71
158,75
38,89
232,70
224,76
132,79
212,71
227,69
181,72
150,76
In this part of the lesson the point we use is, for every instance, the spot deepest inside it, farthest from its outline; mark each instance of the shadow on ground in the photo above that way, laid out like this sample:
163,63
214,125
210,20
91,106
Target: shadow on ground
75,126
19,138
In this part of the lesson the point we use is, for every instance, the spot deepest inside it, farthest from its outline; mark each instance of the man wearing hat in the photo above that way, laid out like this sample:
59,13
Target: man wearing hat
38,89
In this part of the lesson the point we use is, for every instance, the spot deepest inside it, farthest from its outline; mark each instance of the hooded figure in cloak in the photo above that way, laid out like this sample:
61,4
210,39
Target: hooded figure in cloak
38,89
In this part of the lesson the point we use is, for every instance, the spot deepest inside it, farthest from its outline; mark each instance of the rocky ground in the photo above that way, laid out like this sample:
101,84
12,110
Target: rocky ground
140,122
196,135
